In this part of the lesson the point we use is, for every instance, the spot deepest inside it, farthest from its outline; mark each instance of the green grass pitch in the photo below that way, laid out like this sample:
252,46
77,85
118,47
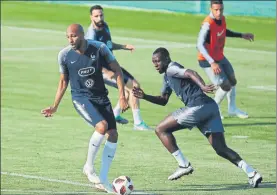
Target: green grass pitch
46,156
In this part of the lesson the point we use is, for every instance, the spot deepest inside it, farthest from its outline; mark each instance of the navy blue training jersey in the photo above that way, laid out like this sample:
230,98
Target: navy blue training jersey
85,71
186,89
102,35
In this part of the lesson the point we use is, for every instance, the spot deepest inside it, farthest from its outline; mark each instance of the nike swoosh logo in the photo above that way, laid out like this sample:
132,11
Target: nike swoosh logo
220,33
110,156
95,145
72,62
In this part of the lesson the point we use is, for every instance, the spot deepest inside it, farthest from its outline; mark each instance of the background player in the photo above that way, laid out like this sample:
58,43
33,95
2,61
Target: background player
210,44
80,64
201,111
99,30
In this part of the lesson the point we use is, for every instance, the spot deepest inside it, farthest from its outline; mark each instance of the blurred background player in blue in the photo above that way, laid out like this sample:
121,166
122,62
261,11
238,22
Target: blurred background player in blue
99,30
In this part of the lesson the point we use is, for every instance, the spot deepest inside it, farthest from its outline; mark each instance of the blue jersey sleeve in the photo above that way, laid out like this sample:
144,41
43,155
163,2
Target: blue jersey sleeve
106,53
62,61
176,71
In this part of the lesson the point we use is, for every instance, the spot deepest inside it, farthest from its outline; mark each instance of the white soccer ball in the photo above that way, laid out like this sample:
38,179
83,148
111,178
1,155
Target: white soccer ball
123,185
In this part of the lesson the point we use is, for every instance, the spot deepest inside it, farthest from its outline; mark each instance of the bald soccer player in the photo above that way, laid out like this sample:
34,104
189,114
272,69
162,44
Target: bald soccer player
80,65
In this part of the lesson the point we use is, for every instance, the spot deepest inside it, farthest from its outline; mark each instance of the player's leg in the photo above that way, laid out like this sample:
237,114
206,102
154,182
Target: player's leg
134,103
109,79
109,147
164,131
231,95
219,80
91,114
180,119
217,141
214,131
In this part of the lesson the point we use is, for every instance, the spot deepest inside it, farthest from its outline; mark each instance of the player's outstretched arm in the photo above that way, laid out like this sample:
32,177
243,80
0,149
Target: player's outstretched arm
199,81
124,47
247,36
63,83
160,100
120,84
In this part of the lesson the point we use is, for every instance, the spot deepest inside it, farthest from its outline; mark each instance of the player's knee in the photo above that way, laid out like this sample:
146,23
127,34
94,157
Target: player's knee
226,86
221,151
112,135
102,126
159,130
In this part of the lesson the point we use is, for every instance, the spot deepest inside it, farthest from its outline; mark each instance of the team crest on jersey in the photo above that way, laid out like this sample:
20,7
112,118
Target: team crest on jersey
89,83
93,57
83,72
109,44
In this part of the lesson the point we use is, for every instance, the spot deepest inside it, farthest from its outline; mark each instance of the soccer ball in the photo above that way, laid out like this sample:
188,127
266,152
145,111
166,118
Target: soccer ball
123,185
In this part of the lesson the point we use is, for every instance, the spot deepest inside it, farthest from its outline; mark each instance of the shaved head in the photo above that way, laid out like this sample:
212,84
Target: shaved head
75,35
75,28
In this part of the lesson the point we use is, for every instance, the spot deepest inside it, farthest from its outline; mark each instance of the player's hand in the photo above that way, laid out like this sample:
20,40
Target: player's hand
48,112
123,104
138,93
216,68
209,88
130,47
248,36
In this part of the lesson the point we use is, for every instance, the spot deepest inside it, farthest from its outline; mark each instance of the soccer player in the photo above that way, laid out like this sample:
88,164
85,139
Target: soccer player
99,30
80,64
201,111
210,44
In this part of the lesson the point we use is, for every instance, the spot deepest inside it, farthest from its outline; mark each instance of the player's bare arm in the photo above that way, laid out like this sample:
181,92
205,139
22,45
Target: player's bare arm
199,81
117,46
120,83
62,86
160,100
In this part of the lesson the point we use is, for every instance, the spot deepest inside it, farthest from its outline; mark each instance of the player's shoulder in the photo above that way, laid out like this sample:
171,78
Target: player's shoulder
91,32
64,52
173,68
95,43
174,65
209,19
